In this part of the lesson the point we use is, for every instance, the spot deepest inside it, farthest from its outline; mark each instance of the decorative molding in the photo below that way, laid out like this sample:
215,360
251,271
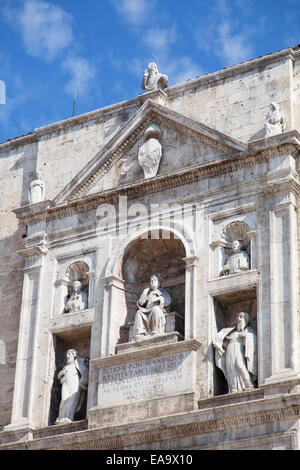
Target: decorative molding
35,250
164,182
184,430
191,262
171,348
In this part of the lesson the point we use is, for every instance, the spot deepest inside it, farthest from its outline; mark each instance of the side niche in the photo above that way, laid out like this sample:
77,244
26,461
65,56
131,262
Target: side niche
73,289
68,395
234,250
235,341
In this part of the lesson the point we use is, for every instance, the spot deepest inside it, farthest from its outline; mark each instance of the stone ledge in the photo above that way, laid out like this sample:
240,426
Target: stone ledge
148,342
233,282
66,321
231,398
154,351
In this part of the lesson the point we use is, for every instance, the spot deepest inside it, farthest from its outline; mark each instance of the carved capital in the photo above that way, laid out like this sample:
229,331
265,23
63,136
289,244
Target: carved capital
191,261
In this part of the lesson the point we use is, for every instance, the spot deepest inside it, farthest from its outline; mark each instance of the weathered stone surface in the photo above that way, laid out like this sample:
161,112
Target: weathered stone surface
104,224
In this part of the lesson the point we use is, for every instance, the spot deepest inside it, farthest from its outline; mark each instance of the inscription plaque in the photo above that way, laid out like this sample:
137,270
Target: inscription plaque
147,378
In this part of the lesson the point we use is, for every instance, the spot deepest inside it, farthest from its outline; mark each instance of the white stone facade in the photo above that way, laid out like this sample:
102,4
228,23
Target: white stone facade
105,225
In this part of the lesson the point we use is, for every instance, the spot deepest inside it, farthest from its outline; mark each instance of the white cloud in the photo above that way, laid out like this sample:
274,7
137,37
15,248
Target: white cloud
182,69
159,40
224,37
82,74
134,11
14,101
234,47
45,28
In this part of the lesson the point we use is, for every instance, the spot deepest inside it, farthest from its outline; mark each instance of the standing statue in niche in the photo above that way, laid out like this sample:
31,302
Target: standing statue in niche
235,354
36,190
77,300
74,380
152,79
238,261
150,317
150,152
275,123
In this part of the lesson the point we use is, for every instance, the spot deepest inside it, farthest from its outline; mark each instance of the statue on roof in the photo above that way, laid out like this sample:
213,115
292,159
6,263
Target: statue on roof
152,79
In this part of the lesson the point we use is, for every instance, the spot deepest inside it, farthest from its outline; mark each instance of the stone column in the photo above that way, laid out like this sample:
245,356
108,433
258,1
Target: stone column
114,312
27,356
104,339
190,297
253,249
278,313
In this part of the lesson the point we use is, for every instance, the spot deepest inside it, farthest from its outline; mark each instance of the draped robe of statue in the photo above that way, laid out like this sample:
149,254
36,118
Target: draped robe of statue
36,190
74,380
78,299
239,358
236,263
150,317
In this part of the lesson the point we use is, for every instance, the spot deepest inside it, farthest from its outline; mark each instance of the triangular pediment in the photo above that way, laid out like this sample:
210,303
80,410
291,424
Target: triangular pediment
185,143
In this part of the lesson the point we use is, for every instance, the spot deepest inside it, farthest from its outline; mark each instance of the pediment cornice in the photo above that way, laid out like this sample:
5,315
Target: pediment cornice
49,210
150,113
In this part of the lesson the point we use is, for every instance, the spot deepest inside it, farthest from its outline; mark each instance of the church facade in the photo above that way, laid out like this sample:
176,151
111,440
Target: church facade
150,283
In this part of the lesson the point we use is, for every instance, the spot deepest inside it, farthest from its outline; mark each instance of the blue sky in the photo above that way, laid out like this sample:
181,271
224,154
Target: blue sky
100,48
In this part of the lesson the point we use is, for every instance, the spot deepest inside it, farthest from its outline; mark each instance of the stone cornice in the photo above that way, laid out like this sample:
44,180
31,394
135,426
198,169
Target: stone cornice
50,211
19,141
152,351
226,72
184,430
201,422
101,113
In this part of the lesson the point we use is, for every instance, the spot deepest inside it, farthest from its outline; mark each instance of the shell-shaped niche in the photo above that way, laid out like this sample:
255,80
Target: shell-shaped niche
237,230
77,271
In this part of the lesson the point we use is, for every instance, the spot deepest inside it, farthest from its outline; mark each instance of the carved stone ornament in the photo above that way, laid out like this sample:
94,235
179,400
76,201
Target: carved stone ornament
36,190
235,354
74,380
150,152
152,79
152,305
275,121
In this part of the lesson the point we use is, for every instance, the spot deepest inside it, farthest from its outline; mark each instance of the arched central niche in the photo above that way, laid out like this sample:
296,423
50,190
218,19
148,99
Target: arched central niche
144,256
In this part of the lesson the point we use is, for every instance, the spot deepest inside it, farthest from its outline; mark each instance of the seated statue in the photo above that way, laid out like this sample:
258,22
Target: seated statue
235,354
77,300
152,79
150,317
74,380
238,261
